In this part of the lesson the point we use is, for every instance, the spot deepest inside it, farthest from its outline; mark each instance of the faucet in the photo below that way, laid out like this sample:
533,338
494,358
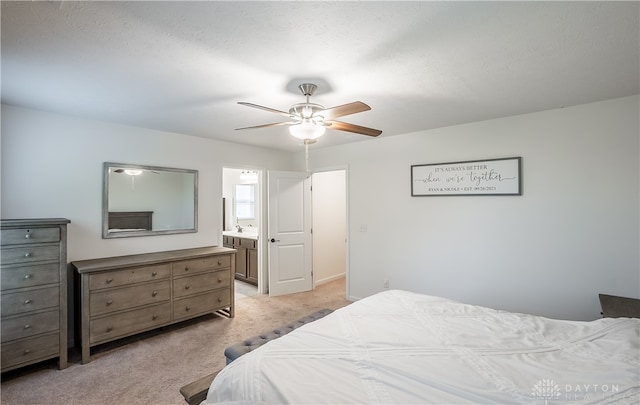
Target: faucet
239,228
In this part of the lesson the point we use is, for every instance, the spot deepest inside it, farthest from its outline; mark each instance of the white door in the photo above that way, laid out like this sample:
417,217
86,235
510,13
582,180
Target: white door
289,233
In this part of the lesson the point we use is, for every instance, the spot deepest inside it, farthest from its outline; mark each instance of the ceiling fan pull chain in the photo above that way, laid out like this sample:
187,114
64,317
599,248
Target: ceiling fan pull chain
306,156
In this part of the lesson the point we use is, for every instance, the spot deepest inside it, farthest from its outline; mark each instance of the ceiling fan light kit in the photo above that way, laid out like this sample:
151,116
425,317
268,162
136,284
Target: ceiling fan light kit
306,129
310,120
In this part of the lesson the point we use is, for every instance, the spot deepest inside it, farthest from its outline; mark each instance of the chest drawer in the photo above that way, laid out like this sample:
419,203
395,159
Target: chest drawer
29,235
201,304
29,276
28,350
186,267
29,325
103,302
126,323
129,276
200,283
24,301
30,254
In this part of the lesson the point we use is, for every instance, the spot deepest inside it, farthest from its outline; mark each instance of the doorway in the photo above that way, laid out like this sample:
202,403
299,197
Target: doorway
329,219
242,226
298,264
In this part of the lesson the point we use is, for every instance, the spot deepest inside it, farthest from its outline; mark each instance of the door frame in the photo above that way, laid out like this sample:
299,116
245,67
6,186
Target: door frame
262,223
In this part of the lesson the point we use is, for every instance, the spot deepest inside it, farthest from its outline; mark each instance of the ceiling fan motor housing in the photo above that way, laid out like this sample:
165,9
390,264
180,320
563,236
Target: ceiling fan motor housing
306,110
307,89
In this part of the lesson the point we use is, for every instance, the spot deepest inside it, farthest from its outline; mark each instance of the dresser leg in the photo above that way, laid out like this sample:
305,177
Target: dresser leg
86,354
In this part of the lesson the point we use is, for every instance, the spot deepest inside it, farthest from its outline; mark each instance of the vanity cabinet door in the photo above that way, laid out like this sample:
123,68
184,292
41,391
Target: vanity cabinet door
252,265
241,258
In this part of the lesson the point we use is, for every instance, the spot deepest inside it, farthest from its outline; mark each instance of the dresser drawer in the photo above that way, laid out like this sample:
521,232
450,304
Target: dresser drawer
28,350
129,322
200,283
29,325
129,276
29,276
201,304
29,235
103,302
186,267
28,254
25,301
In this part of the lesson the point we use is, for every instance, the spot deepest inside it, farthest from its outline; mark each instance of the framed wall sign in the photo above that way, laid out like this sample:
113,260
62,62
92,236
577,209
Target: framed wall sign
473,177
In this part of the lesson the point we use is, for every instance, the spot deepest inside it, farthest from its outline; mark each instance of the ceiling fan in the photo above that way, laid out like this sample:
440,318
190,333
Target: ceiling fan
309,120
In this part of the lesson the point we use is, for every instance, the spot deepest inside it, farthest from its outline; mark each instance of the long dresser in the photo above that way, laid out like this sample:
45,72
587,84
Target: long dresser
33,270
124,295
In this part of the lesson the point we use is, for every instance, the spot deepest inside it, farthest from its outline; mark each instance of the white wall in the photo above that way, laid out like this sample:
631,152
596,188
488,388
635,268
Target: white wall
572,234
329,225
52,167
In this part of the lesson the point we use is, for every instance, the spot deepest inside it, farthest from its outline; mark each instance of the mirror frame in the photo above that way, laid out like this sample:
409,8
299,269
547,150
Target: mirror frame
105,202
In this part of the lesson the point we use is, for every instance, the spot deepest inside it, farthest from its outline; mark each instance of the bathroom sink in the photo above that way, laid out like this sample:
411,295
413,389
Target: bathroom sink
253,234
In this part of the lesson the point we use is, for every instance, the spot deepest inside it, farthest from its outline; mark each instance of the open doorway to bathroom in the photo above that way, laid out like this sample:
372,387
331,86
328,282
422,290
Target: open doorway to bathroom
241,226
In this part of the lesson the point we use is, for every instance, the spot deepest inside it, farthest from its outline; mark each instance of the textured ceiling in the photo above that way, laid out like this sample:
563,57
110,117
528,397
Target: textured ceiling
182,66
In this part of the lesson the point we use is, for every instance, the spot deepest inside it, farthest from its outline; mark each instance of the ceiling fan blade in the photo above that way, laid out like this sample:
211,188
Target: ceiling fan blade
276,124
286,114
343,126
342,110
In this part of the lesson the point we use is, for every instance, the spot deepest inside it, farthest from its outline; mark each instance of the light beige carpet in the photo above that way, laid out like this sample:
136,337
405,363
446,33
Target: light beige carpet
152,370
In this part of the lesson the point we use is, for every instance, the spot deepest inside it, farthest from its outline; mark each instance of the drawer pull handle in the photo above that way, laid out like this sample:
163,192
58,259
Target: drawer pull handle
109,280
186,287
219,262
219,280
186,268
27,302
153,294
109,302
27,276
27,326
219,299
27,236
109,329
155,273
28,254
153,318
187,308
27,351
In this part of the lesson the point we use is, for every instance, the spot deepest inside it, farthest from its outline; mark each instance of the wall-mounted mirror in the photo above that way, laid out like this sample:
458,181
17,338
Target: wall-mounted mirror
148,200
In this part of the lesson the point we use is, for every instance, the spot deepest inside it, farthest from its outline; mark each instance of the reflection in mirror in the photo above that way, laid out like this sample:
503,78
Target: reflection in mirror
148,200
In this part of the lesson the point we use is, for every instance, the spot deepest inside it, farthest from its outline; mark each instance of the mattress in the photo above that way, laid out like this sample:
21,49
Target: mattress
398,347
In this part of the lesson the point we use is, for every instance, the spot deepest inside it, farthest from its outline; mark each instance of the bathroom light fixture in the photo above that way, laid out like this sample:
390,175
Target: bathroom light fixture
133,172
250,176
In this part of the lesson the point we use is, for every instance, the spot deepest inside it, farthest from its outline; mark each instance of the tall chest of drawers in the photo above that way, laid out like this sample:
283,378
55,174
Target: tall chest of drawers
33,271
125,295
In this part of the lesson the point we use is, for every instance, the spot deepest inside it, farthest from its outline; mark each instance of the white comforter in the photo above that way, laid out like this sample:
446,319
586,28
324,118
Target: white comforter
398,347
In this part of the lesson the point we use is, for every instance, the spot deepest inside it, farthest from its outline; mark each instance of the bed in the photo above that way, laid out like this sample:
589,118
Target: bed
129,221
398,347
